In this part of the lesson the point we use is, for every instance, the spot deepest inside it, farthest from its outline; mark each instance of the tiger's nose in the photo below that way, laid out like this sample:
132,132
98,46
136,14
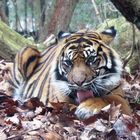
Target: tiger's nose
79,82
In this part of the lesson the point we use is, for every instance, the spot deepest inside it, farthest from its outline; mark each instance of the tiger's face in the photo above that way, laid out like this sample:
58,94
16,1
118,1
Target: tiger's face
88,65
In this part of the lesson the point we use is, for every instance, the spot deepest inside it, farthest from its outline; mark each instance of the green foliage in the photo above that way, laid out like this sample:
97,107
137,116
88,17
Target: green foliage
85,16
138,100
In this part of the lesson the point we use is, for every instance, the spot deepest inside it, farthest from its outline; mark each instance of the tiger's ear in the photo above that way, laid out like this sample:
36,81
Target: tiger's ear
63,34
26,61
108,35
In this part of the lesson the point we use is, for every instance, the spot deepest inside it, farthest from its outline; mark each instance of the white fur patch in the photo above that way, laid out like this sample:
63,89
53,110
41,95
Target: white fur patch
18,92
59,85
84,112
108,31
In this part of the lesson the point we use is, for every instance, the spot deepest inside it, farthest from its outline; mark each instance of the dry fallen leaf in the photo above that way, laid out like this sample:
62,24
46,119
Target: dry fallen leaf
3,136
13,120
124,126
52,136
31,125
32,103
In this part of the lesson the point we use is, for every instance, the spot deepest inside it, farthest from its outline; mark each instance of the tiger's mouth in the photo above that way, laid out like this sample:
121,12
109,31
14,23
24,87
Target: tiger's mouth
82,95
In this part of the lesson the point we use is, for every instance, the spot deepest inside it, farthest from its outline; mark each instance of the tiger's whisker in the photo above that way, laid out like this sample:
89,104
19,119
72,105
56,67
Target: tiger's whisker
93,87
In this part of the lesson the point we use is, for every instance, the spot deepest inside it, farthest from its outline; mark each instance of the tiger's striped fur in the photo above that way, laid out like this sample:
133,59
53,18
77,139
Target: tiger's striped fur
80,63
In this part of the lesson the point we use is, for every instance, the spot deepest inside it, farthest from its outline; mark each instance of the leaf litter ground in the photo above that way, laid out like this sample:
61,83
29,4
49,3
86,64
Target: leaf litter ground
32,120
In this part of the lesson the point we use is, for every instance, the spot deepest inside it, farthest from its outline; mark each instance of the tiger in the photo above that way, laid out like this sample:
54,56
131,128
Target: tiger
81,69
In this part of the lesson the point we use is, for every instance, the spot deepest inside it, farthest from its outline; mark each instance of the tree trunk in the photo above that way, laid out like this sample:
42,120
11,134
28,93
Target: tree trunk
6,8
61,17
3,15
25,8
130,9
10,42
48,9
42,10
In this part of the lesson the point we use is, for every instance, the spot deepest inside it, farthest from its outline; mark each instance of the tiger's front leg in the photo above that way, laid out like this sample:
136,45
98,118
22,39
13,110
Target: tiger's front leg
90,107
93,105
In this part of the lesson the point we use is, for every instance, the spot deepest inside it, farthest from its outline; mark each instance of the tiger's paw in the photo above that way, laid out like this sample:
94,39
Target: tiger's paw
90,107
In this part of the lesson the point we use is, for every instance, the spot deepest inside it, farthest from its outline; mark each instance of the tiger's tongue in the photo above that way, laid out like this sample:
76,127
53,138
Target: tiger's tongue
83,95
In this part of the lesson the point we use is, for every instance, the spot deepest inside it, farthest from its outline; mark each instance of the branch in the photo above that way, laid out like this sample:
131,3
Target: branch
132,48
96,11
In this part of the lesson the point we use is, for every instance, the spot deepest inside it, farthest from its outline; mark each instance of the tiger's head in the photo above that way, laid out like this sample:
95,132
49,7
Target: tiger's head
87,65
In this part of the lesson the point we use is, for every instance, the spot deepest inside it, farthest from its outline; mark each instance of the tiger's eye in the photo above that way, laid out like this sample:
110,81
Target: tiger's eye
93,62
66,64
90,60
